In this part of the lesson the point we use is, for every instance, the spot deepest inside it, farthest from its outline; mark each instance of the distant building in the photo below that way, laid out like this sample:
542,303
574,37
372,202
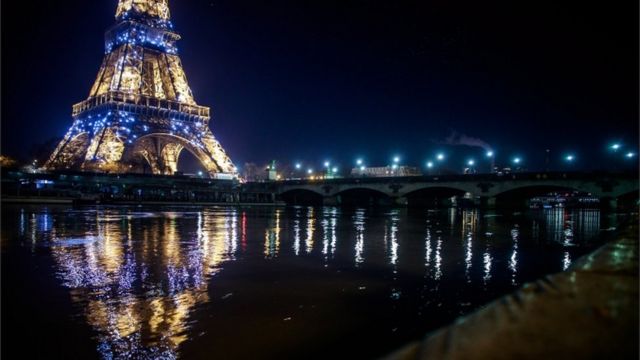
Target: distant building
272,174
386,171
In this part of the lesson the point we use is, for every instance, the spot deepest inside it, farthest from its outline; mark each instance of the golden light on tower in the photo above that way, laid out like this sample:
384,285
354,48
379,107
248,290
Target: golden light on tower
140,113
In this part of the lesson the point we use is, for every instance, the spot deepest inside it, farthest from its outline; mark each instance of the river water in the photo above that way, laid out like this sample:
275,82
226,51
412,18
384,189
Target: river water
264,283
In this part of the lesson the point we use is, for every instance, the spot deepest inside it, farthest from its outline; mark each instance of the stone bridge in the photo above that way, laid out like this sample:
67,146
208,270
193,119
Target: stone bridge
481,188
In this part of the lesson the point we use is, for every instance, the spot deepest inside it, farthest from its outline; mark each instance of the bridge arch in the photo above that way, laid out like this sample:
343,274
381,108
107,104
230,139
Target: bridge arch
362,195
434,195
302,196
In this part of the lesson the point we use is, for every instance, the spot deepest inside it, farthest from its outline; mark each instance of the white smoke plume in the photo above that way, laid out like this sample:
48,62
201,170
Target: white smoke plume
461,139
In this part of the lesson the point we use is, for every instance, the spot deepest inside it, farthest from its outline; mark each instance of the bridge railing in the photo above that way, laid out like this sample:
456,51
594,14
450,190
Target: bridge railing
467,178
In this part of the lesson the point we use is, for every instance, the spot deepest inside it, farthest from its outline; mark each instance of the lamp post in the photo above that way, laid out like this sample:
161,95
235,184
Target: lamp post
440,158
492,160
517,161
471,163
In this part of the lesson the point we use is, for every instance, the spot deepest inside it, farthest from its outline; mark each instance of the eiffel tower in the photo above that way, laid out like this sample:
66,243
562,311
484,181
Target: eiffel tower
140,114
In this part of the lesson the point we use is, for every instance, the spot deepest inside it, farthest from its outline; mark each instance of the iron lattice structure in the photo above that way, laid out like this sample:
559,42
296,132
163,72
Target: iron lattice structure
140,114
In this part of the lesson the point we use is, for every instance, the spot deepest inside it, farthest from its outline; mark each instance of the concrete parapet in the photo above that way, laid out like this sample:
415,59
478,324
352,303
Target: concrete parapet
588,312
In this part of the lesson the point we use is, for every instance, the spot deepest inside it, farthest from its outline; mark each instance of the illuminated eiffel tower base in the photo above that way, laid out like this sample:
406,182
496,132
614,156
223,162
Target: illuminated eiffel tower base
140,114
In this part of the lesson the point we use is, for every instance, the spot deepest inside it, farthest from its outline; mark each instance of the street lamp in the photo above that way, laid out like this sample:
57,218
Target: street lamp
630,155
396,159
490,154
359,162
570,158
517,161
298,166
470,163
615,146
429,164
440,156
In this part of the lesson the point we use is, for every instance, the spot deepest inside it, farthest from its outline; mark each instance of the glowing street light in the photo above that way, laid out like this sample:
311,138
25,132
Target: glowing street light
471,162
394,166
429,164
310,171
517,160
298,166
334,170
396,159
362,168
327,164
630,155
200,173
489,154
615,147
359,162
440,156
570,158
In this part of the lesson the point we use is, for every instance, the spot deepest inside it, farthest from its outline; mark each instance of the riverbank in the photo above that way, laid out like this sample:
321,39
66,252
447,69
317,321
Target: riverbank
589,311
73,201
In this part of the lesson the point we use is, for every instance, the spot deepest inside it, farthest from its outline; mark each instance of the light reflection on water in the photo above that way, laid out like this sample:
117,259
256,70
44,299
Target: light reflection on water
138,292
139,276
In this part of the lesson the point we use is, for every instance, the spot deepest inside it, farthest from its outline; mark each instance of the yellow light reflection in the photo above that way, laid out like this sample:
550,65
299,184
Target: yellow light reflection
138,293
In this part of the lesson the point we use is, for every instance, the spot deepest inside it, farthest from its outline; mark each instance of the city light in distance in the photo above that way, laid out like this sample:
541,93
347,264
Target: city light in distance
328,168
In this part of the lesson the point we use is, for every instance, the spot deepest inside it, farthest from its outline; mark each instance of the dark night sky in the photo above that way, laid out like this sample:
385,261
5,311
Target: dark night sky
309,80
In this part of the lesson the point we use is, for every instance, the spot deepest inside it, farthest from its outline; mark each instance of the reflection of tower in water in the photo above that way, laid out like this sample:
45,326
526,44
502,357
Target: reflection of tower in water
138,305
